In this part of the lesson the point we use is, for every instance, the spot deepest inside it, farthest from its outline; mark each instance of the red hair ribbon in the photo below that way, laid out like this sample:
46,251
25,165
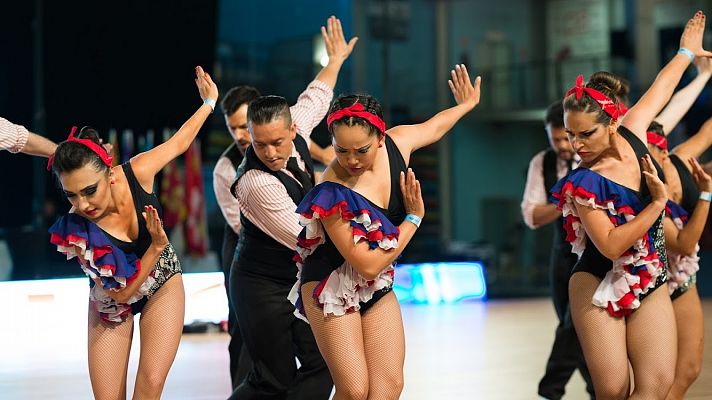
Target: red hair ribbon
357,110
656,140
607,105
99,150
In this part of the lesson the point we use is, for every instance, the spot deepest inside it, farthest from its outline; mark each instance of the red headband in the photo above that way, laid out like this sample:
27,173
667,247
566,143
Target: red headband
357,110
607,105
99,150
656,140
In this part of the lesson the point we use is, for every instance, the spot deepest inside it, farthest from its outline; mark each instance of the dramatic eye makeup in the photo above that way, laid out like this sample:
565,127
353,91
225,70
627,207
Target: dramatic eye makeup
87,191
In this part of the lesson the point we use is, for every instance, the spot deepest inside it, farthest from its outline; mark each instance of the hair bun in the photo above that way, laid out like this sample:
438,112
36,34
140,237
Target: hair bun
90,133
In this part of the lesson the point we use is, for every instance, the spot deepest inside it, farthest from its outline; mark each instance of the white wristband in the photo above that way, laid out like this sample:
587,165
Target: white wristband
413,219
706,196
211,103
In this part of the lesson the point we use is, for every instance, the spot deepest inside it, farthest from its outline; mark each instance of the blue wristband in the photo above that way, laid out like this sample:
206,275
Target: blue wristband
211,103
414,219
687,52
706,196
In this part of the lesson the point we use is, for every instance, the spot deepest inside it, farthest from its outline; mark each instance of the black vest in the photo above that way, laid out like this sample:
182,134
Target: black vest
257,252
561,248
233,154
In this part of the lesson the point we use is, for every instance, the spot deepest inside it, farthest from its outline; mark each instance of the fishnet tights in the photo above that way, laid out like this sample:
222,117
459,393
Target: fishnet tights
690,342
645,338
365,353
109,345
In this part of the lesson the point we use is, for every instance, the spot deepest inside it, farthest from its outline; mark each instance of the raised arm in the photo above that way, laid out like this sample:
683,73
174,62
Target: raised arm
612,241
147,164
38,146
336,48
647,108
683,99
369,263
313,104
684,241
696,145
413,137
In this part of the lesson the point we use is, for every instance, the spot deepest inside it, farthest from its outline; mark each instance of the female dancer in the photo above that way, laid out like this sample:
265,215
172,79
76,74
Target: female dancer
107,232
690,191
613,205
357,223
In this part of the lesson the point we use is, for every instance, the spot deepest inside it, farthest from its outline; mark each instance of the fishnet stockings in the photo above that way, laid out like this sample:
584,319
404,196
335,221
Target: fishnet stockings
690,342
161,325
646,338
365,354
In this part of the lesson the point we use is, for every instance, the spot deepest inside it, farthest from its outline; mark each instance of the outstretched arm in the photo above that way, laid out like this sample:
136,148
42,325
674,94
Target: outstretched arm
39,146
696,145
336,48
313,103
413,137
647,108
147,164
683,99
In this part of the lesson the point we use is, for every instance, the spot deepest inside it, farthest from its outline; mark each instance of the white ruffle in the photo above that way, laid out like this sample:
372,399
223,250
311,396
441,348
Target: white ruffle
680,267
345,288
617,282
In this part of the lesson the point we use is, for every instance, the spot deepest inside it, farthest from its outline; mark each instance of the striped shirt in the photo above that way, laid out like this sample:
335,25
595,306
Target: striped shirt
260,196
12,137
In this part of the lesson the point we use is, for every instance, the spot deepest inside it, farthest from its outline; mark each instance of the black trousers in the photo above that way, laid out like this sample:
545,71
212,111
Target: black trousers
274,337
566,355
240,363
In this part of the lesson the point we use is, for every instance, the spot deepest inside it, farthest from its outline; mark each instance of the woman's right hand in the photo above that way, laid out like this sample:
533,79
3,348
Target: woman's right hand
155,228
655,185
691,38
207,88
412,197
702,179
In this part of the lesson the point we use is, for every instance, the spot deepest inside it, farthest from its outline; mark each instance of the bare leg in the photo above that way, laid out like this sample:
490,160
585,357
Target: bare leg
341,344
109,346
690,342
652,346
161,327
602,338
384,343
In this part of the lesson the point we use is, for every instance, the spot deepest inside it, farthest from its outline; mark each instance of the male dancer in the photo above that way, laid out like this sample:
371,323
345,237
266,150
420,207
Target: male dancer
274,176
545,169
234,107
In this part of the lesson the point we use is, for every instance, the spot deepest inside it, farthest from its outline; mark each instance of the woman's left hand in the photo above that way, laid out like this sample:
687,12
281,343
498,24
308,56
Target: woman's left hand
207,88
702,179
462,89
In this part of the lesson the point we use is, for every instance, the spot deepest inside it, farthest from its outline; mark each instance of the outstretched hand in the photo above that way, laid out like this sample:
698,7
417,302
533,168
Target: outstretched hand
207,88
702,179
412,195
691,38
462,89
336,47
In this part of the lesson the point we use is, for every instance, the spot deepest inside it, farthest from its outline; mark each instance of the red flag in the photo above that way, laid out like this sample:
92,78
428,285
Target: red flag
172,196
196,238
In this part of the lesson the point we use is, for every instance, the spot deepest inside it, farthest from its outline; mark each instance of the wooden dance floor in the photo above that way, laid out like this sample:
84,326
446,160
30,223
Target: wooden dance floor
490,350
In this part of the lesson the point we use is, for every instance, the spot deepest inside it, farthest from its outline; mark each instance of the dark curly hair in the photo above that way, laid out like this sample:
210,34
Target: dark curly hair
369,103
